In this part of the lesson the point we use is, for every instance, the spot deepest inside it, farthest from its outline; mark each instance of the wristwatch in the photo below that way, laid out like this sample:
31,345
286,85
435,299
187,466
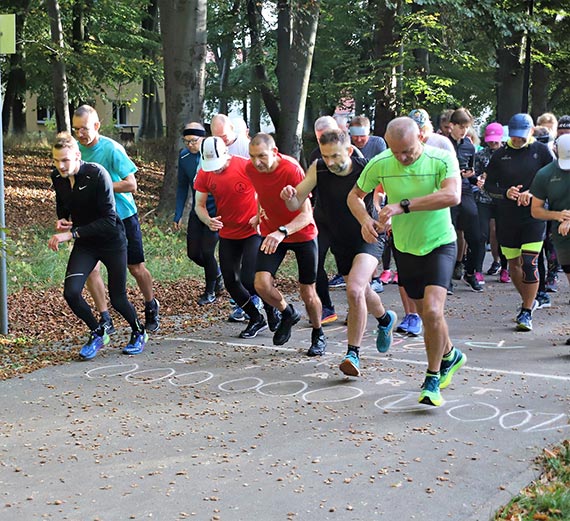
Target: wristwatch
74,233
283,230
405,205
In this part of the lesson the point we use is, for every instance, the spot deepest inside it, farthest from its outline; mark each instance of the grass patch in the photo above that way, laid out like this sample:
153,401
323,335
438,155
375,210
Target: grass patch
548,498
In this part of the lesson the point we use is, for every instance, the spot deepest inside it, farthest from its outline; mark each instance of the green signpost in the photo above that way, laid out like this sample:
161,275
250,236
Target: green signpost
7,46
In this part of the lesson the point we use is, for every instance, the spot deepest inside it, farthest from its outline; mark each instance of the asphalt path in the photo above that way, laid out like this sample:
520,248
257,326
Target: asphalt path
207,426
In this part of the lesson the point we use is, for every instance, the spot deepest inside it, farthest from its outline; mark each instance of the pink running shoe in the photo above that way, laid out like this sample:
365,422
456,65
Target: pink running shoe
395,278
480,278
386,277
504,277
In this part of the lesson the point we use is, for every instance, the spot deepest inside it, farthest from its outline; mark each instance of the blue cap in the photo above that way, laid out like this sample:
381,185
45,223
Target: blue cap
520,125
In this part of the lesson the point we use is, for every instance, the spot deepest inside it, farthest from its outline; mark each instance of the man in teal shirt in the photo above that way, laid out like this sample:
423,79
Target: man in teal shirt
426,182
96,148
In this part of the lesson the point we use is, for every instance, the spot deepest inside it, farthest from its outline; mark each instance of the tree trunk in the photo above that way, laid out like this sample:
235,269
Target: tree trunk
255,57
385,42
509,79
59,77
297,23
151,124
183,29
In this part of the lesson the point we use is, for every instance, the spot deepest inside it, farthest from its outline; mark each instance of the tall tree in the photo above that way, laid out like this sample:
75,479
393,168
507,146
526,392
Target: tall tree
183,29
297,22
59,77
151,124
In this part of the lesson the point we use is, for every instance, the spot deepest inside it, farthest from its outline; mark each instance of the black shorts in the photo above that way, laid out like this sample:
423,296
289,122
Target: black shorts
415,272
513,234
306,254
135,251
345,252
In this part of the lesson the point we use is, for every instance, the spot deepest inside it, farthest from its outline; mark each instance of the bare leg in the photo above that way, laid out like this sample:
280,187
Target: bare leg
526,291
144,280
265,288
312,304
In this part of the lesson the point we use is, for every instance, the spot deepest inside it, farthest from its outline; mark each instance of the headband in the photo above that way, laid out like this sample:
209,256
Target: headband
194,132
359,131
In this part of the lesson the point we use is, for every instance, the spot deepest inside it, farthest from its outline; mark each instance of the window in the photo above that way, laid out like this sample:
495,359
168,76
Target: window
120,111
44,114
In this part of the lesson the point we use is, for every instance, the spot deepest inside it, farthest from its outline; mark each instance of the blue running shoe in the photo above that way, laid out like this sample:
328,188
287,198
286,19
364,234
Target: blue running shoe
415,324
404,324
93,345
258,302
449,367
238,315
376,286
350,364
524,321
543,300
136,344
337,282
430,394
384,338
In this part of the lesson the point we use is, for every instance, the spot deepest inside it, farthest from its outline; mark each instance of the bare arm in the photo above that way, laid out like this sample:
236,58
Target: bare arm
213,223
369,227
294,197
128,184
538,211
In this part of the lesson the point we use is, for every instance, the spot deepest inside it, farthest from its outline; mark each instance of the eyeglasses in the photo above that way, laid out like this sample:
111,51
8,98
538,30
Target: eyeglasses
194,141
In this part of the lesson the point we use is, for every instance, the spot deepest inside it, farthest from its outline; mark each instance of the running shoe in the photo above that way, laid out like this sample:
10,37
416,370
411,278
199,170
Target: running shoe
449,367
318,344
151,316
273,319
337,282
257,302
395,278
458,271
404,324
552,282
377,286
494,268
90,349
206,298
415,324
504,277
543,300
283,332
430,394
107,325
384,338
480,278
450,288
238,315
254,327
328,316
524,321
472,282
386,277
137,343
350,364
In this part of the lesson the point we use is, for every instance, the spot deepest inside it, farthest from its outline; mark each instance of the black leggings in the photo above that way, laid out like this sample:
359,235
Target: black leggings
466,218
81,263
237,262
201,246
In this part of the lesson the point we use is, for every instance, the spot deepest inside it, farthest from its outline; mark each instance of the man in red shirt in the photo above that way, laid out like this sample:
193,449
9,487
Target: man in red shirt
283,230
224,177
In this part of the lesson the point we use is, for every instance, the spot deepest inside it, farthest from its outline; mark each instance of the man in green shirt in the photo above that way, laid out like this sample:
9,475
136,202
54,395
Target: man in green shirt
426,182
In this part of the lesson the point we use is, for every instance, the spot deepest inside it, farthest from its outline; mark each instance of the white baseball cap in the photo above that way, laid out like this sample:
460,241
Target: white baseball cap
563,151
213,154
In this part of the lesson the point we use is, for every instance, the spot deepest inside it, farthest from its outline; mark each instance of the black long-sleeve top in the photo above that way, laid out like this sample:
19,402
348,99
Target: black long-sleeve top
90,205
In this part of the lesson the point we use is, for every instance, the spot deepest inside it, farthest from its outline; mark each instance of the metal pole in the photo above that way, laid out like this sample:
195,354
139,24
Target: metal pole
3,274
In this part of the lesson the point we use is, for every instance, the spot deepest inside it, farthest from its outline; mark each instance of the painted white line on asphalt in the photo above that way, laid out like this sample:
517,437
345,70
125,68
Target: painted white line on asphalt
391,359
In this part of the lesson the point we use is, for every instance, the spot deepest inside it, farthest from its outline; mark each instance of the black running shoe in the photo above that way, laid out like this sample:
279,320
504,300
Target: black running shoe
254,327
151,316
318,344
206,298
283,332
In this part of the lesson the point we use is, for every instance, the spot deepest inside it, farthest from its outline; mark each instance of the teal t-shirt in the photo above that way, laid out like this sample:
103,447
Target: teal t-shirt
418,233
114,158
552,184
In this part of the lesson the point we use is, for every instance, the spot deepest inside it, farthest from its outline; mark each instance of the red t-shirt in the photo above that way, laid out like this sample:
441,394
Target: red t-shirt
273,211
235,197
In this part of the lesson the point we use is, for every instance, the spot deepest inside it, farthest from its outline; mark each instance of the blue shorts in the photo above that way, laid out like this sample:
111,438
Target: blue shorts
135,251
